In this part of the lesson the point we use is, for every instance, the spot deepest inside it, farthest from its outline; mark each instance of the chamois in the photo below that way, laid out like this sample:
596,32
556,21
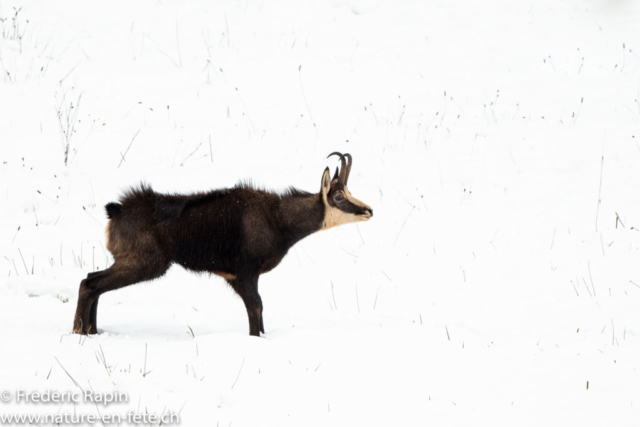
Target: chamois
237,233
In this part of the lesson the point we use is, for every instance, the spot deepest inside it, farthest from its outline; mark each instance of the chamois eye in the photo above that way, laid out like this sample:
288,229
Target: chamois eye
338,197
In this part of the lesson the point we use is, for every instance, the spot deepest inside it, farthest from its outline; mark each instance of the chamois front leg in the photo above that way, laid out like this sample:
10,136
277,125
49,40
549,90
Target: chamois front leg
261,322
247,288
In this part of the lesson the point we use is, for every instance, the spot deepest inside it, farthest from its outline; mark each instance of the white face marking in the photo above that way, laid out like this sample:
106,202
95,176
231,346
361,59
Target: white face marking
356,201
334,216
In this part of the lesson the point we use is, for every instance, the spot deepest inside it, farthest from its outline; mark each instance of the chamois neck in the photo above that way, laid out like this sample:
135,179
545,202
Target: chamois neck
301,215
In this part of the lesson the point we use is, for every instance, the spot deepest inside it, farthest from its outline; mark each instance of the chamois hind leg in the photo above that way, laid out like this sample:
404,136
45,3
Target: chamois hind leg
93,325
117,276
247,288
93,317
89,324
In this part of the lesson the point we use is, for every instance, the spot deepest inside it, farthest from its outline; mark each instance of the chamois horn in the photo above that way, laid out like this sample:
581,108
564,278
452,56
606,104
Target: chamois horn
343,167
346,177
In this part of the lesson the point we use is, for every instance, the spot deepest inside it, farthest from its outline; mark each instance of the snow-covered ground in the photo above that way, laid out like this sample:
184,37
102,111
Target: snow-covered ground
497,142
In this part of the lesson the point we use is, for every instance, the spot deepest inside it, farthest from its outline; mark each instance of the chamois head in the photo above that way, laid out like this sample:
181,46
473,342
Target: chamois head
340,206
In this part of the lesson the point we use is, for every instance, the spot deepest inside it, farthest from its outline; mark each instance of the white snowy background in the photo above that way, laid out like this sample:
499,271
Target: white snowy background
498,143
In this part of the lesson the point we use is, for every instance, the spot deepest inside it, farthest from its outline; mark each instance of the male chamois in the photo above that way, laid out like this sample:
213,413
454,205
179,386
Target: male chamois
237,233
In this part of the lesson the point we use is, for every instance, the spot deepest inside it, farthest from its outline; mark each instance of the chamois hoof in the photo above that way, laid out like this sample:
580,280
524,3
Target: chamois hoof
81,332
78,329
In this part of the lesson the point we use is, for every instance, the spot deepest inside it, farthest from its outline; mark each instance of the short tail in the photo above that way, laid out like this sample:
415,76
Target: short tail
113,209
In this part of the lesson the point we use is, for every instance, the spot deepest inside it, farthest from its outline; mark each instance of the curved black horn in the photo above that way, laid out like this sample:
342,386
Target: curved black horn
346,177
343,167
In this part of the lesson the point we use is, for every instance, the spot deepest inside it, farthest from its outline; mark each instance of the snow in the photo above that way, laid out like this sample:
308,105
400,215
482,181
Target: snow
497,142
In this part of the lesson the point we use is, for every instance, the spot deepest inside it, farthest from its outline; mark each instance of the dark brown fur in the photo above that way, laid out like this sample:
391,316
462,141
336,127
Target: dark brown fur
238,234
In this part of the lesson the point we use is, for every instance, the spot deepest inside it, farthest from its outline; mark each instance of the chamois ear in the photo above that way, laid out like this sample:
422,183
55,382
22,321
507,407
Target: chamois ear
325,185
335,176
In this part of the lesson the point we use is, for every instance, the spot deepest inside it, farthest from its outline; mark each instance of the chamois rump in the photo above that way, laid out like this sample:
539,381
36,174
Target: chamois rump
237,233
